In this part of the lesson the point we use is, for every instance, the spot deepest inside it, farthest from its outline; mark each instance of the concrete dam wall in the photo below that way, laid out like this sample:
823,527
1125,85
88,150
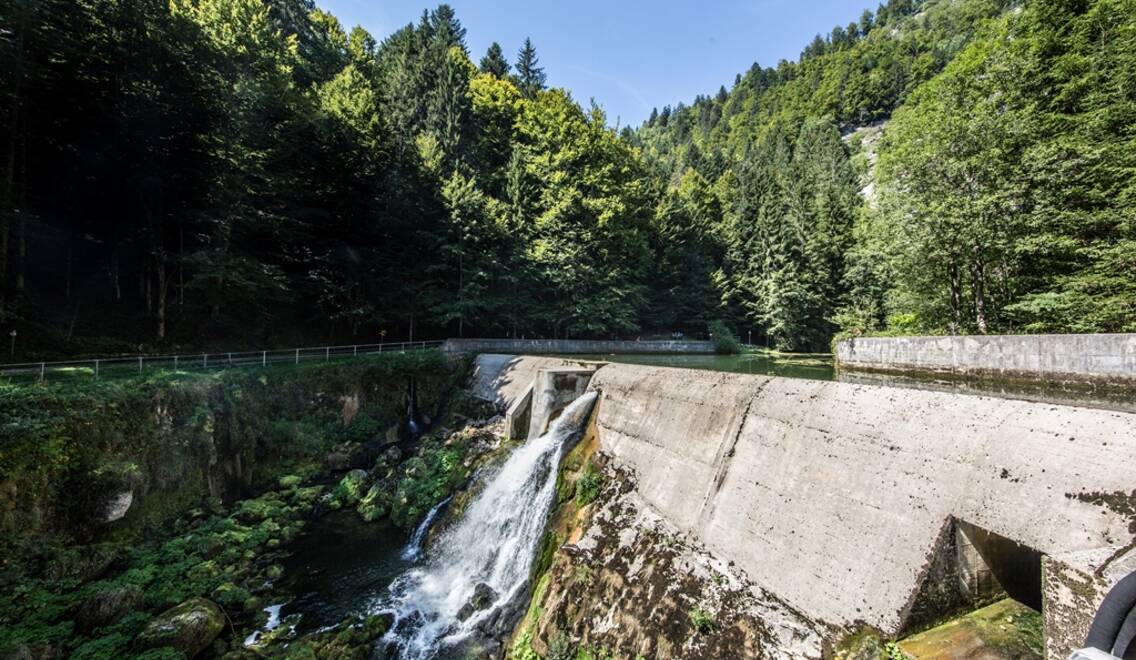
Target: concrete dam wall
846,501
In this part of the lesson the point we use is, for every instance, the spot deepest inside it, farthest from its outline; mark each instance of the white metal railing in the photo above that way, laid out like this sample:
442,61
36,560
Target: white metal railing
139,364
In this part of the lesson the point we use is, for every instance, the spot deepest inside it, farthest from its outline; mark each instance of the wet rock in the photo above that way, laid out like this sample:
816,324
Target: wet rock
346,456
117,506
483,597
107,607
190,627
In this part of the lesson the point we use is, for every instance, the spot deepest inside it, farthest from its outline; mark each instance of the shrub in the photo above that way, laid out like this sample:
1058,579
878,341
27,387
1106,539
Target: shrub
588,486
725,342
702,620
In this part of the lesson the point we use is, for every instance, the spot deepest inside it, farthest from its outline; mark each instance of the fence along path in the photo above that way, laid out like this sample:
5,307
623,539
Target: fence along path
138,364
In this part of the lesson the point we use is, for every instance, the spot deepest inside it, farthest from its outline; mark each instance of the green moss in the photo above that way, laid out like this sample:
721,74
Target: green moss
549,544
588,485
701,620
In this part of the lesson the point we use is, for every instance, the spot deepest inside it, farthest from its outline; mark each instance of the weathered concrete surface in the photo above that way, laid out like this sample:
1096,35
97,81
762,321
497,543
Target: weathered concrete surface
1100,358
553,390
834,496
502,379
519,415
573,346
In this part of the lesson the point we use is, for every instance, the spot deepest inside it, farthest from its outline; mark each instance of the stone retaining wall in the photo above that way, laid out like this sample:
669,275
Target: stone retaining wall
1065,358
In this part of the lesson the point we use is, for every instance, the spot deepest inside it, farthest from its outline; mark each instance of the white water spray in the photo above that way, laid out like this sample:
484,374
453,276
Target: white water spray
494,544
413,550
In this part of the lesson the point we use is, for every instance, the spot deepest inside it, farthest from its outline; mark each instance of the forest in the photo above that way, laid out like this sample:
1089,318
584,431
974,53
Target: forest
204,173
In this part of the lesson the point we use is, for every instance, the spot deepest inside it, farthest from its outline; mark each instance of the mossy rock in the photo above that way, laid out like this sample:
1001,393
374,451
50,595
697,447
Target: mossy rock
107,606
190,627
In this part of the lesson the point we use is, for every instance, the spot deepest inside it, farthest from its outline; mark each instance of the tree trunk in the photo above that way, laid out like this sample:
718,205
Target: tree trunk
8,190
115,277
68,267
181,261
21,255
955,276
147,289
978,283
160,264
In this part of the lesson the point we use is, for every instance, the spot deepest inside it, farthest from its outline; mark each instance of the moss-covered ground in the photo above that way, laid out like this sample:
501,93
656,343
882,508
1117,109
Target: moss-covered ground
225,469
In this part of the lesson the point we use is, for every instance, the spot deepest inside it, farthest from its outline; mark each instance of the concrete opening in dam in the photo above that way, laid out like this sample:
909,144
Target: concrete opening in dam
970,568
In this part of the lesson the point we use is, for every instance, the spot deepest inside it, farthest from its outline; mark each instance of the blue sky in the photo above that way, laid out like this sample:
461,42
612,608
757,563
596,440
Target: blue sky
629,55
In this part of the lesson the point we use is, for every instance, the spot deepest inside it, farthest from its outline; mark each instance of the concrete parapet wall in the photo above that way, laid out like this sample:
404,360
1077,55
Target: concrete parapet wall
1075,358
573,346
834,496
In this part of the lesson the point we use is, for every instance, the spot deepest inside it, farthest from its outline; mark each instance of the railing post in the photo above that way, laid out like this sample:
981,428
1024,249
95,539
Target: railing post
297,356
354,351
264,358
230,359
204,360
139,364
42,369
175,363
327,354
96,369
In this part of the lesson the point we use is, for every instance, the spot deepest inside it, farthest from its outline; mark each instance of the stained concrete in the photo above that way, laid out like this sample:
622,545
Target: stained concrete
1100,358
502,379
836,497
553,390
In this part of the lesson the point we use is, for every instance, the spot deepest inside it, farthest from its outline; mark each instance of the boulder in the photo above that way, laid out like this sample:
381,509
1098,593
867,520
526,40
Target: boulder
117,505
189,627
346,456
483,597
106,607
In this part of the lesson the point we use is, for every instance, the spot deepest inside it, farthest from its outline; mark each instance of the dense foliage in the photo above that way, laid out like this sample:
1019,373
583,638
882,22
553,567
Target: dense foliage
199,172
999,198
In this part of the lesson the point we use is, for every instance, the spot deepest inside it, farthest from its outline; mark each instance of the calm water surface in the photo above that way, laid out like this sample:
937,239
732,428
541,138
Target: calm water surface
816,366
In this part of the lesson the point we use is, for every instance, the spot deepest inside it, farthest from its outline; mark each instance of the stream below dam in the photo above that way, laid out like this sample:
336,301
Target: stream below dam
460,593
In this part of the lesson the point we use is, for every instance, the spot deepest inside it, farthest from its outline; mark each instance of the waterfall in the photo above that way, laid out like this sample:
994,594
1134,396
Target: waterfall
413,549
493,545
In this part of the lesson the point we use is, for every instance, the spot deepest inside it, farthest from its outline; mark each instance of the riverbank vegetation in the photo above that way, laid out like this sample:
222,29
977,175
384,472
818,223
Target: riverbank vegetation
155,517
231,172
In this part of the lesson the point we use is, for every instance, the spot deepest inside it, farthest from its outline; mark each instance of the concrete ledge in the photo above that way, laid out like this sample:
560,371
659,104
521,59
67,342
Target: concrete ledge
1108,359
573,346
503,379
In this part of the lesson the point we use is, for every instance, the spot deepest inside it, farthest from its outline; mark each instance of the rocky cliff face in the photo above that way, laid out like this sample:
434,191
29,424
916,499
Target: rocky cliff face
633,585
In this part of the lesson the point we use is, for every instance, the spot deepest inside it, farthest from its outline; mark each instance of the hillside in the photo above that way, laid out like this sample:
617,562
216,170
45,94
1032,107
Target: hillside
207,173
1001,195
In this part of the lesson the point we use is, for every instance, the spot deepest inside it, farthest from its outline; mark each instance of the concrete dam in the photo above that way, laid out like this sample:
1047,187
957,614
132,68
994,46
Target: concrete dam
861,506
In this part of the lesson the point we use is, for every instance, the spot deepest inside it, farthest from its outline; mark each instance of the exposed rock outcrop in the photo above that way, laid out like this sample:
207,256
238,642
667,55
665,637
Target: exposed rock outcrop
189,627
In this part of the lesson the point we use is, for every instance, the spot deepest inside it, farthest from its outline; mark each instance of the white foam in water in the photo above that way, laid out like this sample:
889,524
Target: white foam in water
494,543
273,622
413,550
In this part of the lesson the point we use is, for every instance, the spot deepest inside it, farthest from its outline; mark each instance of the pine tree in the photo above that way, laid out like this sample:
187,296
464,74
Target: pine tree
494,62
530,76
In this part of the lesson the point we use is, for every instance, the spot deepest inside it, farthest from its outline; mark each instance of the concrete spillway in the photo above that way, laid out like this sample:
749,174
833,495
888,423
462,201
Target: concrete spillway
848,501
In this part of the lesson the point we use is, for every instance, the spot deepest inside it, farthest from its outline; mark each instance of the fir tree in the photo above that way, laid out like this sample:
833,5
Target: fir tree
530,76
494,62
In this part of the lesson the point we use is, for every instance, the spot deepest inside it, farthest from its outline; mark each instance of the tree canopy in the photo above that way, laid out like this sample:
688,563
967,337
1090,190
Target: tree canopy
235,172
